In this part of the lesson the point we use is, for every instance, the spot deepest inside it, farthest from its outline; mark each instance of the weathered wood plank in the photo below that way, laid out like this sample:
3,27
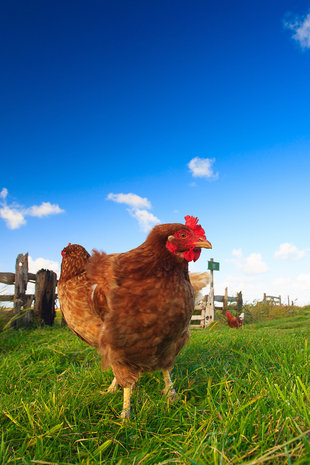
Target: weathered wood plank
21,280
6,298
9,278
44,307
276,300
196,317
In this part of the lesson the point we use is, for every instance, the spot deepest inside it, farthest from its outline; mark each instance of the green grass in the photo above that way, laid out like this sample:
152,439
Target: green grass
5,317
244,398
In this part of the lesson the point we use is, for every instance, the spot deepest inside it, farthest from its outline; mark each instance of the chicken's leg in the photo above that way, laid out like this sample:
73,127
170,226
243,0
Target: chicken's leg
126,403
169,390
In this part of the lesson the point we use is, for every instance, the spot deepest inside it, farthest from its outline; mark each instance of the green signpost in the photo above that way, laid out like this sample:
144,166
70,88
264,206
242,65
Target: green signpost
213,266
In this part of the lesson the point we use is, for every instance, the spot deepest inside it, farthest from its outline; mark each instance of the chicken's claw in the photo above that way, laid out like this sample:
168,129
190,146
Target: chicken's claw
112,388
172,396
169,390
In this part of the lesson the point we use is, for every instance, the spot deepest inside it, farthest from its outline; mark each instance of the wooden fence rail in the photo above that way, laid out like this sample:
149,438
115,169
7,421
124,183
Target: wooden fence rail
43,298
199,315
227,300
275,300
9,278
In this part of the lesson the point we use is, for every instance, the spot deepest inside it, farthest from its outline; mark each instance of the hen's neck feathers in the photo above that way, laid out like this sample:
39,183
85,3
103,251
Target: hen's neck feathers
152,257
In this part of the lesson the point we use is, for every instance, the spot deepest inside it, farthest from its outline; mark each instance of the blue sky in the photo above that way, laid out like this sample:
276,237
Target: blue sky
197,108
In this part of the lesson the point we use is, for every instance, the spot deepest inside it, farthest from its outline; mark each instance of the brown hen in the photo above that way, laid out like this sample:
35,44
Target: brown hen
234,321
134,307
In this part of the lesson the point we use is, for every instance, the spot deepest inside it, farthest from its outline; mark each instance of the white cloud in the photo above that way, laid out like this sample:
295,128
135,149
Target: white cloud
202,168
13,218
45,209
4,193
253,264
145,219
133,200
296,287
301,28
138,211
280,283
39,263
237,252
303,283
289,251
14,215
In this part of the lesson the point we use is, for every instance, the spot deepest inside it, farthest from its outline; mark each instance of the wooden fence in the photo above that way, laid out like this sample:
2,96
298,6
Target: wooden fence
43,298
204,312
200,314
275,300
226,300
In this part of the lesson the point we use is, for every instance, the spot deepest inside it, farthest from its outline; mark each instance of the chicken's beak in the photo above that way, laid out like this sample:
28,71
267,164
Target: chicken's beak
203,244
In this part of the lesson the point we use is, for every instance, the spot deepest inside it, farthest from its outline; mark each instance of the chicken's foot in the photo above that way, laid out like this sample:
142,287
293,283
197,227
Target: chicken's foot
113,386
125,415
169,390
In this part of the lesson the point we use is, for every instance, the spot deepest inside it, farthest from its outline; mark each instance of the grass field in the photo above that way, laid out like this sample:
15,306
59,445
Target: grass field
244,398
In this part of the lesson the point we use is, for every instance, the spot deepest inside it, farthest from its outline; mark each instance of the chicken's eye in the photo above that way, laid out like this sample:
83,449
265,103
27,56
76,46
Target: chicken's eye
182,235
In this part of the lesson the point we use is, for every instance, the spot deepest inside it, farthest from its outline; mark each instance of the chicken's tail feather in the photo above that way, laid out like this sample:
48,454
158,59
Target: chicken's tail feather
199,280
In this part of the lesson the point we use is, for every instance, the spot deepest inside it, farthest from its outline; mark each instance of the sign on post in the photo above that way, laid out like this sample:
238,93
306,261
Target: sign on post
213,266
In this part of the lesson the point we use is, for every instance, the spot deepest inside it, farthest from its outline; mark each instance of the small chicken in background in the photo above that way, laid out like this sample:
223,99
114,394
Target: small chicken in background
134,307
234,321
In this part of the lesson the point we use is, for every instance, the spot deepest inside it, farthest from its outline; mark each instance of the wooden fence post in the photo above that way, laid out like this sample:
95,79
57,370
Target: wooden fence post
45,292
21,279
209,312
225,301
239,300
203,317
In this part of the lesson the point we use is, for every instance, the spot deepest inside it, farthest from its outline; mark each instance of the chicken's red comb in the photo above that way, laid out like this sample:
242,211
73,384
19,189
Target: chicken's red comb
192,223
63,253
